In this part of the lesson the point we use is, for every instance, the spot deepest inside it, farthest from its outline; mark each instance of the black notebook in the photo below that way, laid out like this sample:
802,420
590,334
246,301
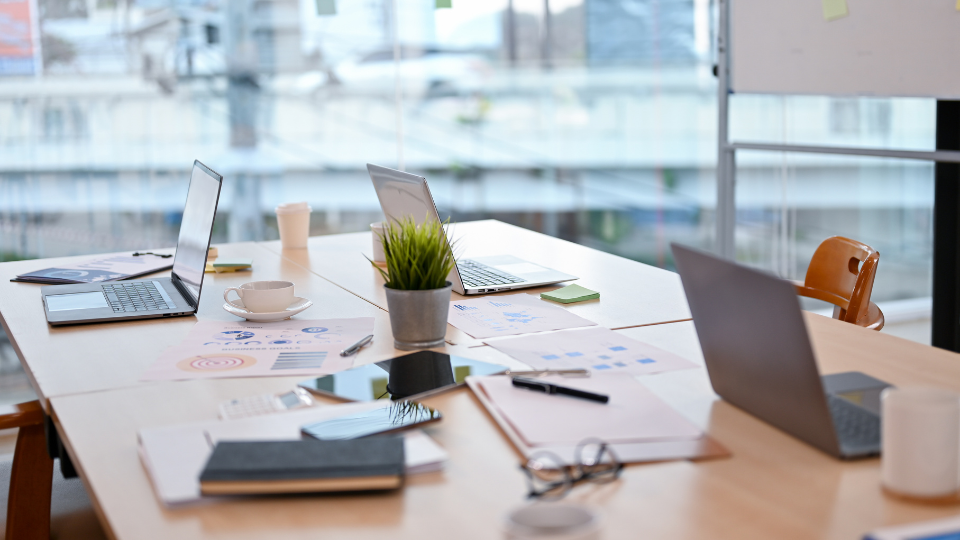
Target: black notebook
262,467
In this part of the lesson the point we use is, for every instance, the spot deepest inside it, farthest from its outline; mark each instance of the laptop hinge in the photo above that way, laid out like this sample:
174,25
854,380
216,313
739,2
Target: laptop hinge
183,291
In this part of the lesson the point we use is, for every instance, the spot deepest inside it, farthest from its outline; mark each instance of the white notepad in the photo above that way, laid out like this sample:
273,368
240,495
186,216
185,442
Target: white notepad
633,413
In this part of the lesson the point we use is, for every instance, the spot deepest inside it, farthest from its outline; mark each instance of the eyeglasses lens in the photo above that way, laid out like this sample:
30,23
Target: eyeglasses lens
547,476
598,462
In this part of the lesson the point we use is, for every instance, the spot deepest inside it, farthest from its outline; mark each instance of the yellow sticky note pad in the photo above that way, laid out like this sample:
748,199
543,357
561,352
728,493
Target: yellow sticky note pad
958,5
836,9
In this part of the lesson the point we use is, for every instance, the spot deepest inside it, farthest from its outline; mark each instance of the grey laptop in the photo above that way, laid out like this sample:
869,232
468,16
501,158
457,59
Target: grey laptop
759,357
403,194
171,296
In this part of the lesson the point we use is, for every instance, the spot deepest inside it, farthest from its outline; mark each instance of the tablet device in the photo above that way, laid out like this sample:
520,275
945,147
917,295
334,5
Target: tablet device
417,374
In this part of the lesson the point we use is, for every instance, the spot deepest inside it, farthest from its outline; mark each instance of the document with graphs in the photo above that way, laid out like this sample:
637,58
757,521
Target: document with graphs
217,349
512,314
599,350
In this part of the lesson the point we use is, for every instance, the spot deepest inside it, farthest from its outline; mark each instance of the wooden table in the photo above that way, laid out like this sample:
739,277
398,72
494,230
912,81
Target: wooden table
631,293
773,487
91,357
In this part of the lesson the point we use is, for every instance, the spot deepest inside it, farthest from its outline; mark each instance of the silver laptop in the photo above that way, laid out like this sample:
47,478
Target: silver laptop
759,357
403,194
176,295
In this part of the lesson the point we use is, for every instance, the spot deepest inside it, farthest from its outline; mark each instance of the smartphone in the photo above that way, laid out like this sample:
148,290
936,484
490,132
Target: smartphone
397,416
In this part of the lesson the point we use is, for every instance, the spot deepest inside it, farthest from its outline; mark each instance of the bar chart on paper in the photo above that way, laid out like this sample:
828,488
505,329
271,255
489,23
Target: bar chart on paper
600,350
511,315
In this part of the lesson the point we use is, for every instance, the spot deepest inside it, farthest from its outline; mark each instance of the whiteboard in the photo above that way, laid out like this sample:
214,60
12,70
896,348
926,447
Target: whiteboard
881,47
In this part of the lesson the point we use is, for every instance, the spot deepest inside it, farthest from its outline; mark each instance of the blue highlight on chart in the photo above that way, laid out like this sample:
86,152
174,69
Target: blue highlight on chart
550,357
464,308
618,348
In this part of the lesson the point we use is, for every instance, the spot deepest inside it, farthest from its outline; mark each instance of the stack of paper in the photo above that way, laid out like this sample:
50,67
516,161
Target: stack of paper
174,456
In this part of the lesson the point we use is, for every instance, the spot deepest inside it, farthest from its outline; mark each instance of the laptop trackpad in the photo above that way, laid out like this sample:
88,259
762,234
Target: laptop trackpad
84,300
857,388
520,268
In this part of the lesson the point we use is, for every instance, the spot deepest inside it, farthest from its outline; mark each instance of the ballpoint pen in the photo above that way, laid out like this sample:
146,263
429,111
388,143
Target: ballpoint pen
542,372
548,388
356,346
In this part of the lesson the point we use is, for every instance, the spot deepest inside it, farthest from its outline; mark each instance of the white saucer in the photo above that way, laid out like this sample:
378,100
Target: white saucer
298,305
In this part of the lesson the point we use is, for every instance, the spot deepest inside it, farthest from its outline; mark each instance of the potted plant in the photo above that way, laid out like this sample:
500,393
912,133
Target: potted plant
418,260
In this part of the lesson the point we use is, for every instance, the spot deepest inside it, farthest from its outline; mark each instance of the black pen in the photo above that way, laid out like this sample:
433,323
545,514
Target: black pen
547,388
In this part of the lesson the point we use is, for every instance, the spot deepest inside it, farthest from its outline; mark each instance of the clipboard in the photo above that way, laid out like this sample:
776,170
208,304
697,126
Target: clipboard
704,447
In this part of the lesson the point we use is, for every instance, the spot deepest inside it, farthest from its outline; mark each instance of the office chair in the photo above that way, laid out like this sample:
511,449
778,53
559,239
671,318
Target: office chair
32,483
842,272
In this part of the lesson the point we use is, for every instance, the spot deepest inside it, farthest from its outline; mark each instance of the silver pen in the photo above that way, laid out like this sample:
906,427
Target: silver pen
356,346
543,372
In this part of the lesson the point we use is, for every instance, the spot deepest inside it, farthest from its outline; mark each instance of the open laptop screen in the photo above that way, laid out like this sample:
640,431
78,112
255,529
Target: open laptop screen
196,227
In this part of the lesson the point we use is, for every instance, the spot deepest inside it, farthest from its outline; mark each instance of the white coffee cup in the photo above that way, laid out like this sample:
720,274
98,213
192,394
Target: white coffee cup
377,229
293,220
921,442
262,296
552,521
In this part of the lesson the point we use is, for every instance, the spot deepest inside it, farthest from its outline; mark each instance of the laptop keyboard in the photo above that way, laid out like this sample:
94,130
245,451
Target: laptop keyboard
854,425
474,274
136,296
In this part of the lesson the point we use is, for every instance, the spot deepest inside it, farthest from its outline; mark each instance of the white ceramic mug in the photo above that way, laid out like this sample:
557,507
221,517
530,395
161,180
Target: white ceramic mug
921,442
377,229
552,521
293,220
262,296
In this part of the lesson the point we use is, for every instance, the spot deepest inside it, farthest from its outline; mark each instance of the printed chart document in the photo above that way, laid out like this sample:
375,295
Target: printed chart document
633,413
112,268
600,350
216,349
509,315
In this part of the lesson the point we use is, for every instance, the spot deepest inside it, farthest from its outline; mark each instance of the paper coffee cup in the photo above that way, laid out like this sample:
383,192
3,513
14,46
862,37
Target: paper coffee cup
293,220
377,229
552,521
921,442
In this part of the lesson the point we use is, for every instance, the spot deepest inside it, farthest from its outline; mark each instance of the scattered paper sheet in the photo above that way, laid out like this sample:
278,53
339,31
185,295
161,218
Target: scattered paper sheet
834,9
174,456
216,349
600,350
634,413
509,315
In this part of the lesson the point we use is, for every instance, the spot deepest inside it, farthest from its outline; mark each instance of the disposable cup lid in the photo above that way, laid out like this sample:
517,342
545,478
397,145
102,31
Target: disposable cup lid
293,208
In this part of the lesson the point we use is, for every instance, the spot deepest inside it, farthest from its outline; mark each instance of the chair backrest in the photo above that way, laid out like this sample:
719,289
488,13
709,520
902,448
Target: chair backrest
842,272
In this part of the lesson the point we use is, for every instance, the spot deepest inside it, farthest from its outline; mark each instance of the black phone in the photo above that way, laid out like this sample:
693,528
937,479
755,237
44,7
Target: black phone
396,416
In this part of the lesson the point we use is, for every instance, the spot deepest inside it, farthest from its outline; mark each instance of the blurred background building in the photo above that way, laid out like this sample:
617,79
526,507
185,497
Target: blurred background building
590,120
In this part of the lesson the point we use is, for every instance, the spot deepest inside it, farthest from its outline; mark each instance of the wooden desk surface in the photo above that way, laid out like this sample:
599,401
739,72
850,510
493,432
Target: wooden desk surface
631,293
90,357
773,486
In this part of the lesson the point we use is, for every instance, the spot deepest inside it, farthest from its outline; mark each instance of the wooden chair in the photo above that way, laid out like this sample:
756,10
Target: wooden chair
842,272
31,479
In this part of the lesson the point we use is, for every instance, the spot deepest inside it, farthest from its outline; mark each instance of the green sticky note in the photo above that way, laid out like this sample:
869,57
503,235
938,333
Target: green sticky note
326,7
834,9
444,4
570,294
232,263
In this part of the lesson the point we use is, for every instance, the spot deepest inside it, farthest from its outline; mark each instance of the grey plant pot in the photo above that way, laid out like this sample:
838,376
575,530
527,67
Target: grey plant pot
418,318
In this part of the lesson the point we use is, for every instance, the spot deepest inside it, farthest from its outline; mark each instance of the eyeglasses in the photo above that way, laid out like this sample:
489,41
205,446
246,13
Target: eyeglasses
550,478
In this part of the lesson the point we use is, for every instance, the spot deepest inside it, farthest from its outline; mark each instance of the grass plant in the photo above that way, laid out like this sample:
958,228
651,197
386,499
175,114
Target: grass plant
418,257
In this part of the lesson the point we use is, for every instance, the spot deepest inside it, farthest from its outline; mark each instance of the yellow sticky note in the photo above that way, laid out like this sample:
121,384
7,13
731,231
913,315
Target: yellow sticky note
958,5
835,9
